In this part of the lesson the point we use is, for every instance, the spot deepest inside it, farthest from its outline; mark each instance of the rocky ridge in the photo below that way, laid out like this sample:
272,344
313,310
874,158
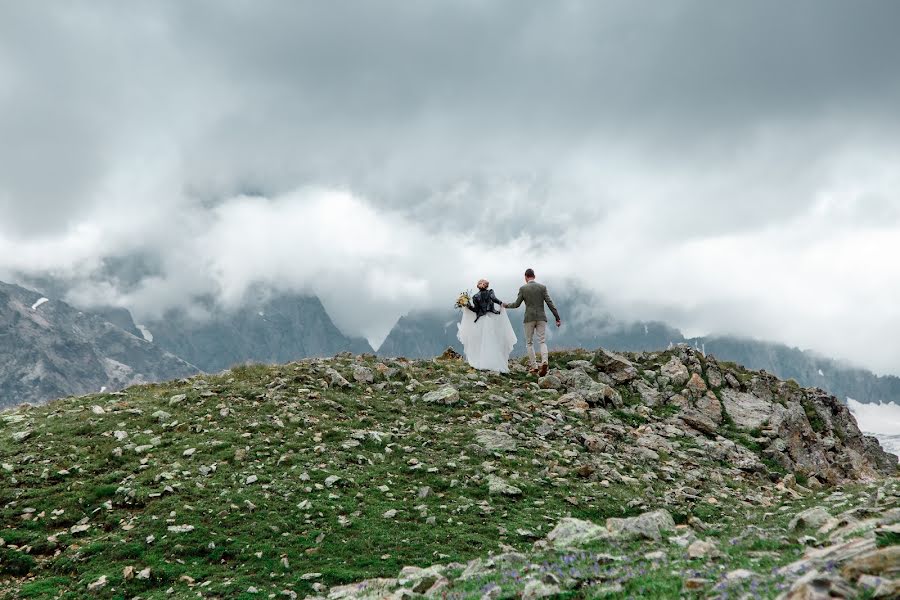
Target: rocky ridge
664,474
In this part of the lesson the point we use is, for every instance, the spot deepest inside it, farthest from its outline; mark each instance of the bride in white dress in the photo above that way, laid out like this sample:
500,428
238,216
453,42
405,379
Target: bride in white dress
486,334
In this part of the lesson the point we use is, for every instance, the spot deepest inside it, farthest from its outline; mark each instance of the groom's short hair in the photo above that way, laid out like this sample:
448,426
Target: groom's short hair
529,273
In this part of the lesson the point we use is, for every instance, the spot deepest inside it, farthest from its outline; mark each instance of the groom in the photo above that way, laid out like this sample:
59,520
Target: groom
535,295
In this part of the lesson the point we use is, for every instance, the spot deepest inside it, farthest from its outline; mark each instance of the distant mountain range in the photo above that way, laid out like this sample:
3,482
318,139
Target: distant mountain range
50,349
273,329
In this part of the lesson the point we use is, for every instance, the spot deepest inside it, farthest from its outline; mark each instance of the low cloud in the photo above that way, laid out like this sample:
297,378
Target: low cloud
725,169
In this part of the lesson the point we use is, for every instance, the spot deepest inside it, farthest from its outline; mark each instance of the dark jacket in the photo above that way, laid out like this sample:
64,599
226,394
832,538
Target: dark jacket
483,303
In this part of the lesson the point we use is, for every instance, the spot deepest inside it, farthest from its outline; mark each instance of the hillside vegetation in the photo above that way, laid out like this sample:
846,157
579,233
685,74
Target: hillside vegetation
662,475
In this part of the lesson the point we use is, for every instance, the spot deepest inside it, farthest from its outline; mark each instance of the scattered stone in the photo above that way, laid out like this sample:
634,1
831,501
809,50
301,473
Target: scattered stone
495,440
703,549
99,584
676,372
538,589
496,485
445,395
615,365
649,525
812,518
570,533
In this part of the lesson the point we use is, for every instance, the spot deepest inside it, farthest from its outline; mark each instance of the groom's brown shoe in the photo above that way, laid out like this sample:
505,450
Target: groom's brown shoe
543,370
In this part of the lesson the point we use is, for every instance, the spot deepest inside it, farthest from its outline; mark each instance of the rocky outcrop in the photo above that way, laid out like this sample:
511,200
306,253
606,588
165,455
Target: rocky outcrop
803,430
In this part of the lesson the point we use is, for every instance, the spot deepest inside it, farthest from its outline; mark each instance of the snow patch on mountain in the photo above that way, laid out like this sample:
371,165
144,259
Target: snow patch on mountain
145,332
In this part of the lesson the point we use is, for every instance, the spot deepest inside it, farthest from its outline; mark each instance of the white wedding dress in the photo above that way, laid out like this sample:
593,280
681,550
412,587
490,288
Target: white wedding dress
489,342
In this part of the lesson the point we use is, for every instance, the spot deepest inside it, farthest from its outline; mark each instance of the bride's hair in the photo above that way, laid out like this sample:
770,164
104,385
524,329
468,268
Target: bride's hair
483,284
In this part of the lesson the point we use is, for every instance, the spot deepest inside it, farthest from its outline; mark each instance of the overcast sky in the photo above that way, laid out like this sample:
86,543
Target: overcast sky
724,166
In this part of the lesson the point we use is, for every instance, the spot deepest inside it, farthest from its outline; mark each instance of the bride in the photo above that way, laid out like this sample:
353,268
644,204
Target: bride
485,332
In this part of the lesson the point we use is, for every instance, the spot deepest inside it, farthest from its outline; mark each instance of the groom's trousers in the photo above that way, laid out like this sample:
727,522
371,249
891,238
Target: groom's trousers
539,328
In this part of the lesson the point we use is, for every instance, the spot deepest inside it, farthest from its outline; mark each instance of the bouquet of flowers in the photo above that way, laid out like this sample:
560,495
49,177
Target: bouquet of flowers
463,300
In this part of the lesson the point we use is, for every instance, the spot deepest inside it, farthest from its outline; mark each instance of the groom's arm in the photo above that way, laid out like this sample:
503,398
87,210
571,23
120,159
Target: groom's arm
518,301
551,306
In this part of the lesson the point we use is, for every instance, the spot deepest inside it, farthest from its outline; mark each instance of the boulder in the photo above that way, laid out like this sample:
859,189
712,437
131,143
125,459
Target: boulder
538,589
498,486
811,517
570,533
696,387
445,395
698,421
650,396
884,562
363,374
710,407
676,372
369,589
817,585
703,549
493,440
649,525
336,378
714,377
615,365
746,410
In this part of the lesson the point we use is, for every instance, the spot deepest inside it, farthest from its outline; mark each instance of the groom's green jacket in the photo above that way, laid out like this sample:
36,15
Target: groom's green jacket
535,295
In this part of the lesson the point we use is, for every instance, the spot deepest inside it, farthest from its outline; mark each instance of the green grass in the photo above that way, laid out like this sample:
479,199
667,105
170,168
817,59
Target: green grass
281,426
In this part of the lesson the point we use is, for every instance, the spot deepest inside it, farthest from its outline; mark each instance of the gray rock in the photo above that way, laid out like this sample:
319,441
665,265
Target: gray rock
538,589
445,395
363,374
615,365
649,525
811,517
370,589
571,533
549,382
710,407
676,372
703,549
817,585
336,378
650,396
698,421
714,377
490,439
746,410
498,486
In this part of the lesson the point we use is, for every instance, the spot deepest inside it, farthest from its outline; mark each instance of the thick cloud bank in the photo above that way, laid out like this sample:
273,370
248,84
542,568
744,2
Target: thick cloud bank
726,168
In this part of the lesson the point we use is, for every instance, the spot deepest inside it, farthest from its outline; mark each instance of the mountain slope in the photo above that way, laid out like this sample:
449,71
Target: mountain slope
615,475
49,349
269,329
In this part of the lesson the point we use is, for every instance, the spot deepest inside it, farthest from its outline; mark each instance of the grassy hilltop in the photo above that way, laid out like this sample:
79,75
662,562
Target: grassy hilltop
294,480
